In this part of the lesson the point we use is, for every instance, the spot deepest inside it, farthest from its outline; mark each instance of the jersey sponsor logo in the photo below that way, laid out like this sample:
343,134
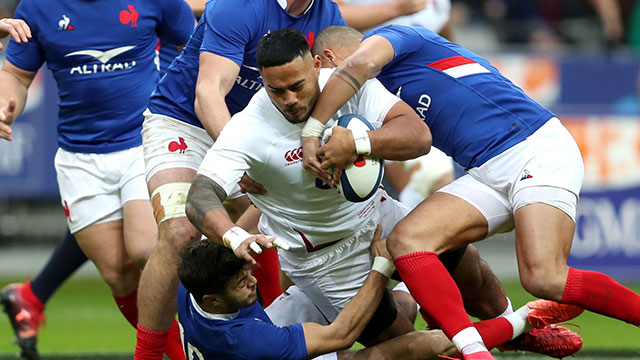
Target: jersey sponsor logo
293,156
129,16
180,146
104,57
526,175
249,84
459,66
65,23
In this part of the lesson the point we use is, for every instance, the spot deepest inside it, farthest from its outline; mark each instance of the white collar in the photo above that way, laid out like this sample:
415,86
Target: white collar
209,315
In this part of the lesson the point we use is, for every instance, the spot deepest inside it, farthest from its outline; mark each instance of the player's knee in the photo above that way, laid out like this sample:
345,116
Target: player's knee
543,282
121,277
178,233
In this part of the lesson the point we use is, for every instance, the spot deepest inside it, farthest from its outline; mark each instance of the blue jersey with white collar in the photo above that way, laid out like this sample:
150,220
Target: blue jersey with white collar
474,112
102,54
232,29
247,335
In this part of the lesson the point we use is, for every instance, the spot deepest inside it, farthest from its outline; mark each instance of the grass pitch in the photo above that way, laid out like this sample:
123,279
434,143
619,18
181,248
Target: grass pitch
84,323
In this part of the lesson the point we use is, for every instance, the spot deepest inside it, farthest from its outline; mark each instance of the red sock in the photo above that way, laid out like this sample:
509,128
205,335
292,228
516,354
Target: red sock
150,344
173,348
268,275
27,294
128,306
434,289
601,294
494,332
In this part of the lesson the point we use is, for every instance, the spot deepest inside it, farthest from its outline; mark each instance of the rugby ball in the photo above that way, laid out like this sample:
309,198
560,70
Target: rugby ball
360,180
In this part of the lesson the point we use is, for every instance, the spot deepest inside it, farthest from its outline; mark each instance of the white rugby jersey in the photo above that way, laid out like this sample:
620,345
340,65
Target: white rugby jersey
297,207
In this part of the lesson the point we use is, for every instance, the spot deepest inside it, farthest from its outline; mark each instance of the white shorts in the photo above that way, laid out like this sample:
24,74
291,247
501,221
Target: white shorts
333,275
95,187
169,143
544,168
294,307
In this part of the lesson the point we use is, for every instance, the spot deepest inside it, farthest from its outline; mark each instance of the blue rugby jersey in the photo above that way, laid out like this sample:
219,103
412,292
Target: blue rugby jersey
474,112
249,335
101,54
232,29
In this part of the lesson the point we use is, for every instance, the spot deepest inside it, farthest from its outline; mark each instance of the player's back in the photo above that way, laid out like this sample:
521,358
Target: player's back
102,55
474,112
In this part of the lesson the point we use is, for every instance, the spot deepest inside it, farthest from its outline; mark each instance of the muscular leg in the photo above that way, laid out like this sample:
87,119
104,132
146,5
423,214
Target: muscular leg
140,230
482,293
442,222
104,245
159,281
543,240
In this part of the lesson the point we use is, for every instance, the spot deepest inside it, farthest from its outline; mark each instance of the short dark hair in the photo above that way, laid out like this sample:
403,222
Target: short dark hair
206,268
280,47
335,36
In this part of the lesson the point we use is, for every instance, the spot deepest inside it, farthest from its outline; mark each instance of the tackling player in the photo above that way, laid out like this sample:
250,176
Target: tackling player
183,120
102,56
524,171
327,237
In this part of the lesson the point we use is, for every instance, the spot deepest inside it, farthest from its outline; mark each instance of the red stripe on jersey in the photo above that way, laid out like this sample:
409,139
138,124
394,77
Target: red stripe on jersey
448,63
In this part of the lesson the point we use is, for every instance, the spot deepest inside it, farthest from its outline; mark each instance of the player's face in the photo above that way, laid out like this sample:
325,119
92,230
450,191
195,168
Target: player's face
241,290
293,87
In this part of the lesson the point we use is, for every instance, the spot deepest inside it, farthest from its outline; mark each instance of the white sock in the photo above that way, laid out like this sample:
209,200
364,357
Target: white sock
509,308
518,321
469,341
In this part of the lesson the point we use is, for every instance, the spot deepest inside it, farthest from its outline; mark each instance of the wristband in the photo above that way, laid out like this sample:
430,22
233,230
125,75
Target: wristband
313,128
362,141
235,236
383,265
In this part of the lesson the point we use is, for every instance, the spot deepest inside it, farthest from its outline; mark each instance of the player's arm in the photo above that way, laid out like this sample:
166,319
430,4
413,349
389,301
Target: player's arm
216,77
366,62
368,16
352,320
17,28
13,95
205,210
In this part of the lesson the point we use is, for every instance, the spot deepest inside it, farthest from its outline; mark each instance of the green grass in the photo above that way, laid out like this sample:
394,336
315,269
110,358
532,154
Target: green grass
82,319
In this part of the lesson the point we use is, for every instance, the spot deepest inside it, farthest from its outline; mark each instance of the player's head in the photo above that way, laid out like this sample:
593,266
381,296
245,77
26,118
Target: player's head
216,278
334,44
289,73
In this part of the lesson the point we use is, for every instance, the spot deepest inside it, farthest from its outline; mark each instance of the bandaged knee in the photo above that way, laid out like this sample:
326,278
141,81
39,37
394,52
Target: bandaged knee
169,201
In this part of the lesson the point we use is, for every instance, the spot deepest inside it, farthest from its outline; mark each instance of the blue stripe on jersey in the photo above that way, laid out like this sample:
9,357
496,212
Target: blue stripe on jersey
101,54
474,112
232,29
250,335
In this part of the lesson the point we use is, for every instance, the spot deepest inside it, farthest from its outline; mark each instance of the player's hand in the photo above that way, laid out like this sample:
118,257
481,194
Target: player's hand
254,245
7,116
338,152
408,7
311,161
379,246
248,185
18,29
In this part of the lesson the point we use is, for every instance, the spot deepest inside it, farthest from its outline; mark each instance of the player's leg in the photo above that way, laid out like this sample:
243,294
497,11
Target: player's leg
481,291
31,297
545,202
543,240
443,222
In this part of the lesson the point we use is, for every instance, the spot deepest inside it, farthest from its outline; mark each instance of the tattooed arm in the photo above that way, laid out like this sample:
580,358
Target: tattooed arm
366,62
206,212
205,209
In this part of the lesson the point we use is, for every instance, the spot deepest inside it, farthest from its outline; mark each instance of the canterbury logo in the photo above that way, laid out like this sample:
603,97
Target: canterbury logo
293,155
101,56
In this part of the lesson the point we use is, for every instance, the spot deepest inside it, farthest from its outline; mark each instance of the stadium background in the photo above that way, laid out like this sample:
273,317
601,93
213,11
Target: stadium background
557,51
